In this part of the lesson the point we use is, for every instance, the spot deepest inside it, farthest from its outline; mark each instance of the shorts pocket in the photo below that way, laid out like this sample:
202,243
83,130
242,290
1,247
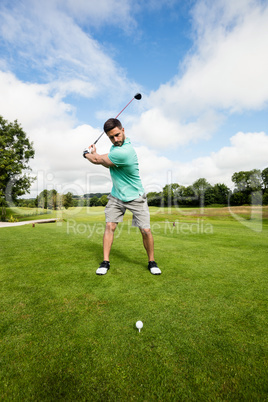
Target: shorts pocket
141,198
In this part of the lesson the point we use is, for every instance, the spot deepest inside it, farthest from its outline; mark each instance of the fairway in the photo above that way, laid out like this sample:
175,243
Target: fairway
68,334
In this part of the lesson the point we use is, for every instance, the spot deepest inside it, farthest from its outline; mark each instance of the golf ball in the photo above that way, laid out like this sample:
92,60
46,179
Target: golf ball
139,325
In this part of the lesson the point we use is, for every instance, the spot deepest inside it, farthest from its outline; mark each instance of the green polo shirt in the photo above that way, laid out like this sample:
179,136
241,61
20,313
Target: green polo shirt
125,174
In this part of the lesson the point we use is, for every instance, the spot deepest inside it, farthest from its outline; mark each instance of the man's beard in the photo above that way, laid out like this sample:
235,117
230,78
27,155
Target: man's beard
118,143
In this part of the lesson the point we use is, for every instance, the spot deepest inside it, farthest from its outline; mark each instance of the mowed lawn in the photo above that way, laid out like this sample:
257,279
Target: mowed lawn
68,334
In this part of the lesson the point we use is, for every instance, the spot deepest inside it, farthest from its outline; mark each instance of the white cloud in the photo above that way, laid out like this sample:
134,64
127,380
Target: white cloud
58,143
32,104
49,41
226,73
73,86
247,151
160,132
230,69
119,12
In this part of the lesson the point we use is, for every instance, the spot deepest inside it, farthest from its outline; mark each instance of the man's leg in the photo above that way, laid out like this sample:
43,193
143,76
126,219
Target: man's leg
107,244
148,242
141,218
108,238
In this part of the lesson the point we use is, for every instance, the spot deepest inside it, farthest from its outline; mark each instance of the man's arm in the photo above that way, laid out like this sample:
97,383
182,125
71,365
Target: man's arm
97,159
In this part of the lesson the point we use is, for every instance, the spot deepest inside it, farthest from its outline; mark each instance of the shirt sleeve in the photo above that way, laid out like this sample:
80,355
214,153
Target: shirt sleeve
119,157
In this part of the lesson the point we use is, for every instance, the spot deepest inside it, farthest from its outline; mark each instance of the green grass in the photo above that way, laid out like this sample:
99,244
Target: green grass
68,334
25,214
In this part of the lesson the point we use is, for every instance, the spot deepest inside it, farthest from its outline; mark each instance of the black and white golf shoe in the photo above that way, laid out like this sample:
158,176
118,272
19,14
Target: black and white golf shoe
103,268
153,268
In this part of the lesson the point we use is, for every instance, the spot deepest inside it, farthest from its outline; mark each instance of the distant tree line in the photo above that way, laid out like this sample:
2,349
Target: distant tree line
250,187
53,200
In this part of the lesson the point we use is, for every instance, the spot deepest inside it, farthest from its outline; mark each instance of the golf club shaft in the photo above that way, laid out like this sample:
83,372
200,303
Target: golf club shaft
115,118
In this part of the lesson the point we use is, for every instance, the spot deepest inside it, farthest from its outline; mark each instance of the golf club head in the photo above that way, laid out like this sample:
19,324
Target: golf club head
137,96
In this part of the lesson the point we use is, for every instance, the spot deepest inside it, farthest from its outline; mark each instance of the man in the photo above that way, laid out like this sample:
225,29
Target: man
127,193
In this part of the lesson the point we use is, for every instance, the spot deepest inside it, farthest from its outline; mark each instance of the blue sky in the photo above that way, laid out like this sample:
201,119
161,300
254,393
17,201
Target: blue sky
201,66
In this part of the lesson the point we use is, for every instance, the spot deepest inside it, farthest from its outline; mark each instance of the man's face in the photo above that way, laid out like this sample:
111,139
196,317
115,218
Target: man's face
117,136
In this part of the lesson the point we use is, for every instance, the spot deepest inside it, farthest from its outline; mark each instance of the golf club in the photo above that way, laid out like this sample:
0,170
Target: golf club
137,96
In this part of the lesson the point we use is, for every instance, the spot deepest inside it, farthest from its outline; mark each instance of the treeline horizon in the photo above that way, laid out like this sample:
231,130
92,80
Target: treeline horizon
251,187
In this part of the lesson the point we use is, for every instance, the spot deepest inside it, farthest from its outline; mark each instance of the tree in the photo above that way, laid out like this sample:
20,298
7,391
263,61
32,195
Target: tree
104,200
265,198
200,186
209,196
48,199
170,194
154,199
68,200
41,199
264,176
94,202
53,199
255,180
221,193
239,179
188,196
15,152
246,182
239,198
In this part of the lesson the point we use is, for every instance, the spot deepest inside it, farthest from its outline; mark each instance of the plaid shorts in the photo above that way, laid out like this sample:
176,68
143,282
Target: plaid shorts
115,211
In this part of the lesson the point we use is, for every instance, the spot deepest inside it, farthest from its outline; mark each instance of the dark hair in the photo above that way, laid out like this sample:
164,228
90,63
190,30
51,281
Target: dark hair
110,124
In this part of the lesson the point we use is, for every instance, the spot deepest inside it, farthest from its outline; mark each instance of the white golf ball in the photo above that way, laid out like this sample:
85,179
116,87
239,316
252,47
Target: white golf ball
139,325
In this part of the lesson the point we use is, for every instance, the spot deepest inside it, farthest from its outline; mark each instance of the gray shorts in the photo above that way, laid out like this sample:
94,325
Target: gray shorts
115,211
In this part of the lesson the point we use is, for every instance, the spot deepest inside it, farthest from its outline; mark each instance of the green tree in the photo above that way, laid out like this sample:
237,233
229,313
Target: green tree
188,196
41,200
15,152
28,203
53,199
221,193
68,200
246,182
104,200
239,198
265,198
94,202
240,180
209,196
200,187
170,194
154,199
48,199
255,180
264,176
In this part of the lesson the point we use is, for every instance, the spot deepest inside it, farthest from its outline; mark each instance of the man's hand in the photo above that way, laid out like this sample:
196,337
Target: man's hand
91,155
86,151
90,150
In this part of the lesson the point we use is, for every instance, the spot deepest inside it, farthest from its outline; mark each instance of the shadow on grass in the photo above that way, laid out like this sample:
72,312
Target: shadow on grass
116,254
